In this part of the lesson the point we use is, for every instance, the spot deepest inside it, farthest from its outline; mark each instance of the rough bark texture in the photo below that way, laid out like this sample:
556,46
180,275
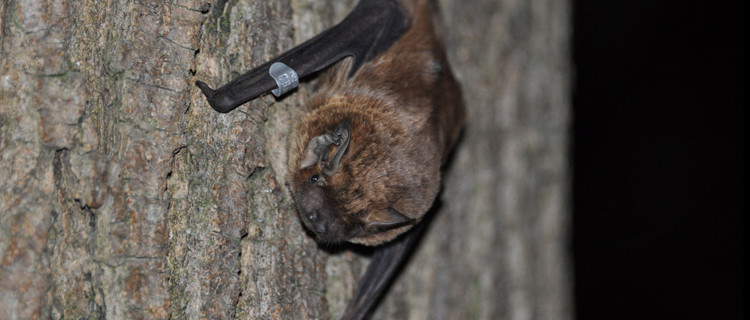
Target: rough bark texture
123,195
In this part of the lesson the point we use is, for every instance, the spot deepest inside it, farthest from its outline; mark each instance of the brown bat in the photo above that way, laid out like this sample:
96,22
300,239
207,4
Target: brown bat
366,156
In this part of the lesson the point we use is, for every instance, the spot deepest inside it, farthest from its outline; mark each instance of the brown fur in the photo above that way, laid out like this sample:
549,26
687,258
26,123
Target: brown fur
405,111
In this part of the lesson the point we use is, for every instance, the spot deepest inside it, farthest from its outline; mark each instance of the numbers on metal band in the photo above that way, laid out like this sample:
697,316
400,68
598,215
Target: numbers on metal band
286,78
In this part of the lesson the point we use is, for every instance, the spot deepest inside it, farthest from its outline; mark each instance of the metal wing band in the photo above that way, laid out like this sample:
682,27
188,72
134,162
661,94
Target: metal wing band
286,78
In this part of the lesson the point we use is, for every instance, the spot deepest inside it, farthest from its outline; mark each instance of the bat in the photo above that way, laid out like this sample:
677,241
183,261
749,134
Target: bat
367,154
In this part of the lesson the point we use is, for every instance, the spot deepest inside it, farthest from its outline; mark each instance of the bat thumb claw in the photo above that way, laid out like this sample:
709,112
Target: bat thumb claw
207,91
220,103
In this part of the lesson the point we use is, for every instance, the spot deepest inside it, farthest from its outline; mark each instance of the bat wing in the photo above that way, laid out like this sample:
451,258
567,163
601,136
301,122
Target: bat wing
371,28
384,264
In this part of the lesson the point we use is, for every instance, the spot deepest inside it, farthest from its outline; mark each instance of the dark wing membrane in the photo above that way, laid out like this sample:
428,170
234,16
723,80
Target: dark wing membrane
384,264
371,28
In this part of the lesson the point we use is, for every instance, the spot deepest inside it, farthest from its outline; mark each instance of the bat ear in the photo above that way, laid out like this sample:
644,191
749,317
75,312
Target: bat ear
328,149
387,219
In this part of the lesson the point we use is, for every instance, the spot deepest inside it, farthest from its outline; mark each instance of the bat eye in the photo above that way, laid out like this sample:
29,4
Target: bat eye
315,178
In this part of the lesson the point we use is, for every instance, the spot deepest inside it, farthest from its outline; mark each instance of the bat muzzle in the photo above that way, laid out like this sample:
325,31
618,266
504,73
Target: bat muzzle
315,221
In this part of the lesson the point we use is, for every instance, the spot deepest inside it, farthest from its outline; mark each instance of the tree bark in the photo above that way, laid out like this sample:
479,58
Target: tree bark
123,195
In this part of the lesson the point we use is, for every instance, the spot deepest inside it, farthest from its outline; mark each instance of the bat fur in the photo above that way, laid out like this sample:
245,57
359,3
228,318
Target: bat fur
403,112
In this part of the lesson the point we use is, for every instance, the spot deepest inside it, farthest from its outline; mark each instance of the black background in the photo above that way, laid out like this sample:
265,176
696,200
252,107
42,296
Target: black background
657,155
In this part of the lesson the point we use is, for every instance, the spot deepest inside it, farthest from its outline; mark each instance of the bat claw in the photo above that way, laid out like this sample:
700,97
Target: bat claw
220,103
207,91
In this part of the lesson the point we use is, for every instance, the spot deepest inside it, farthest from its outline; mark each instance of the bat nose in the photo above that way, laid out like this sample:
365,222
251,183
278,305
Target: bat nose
316,222
312,216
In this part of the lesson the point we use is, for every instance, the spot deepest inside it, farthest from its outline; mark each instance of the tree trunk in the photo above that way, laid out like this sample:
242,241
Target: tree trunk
123,195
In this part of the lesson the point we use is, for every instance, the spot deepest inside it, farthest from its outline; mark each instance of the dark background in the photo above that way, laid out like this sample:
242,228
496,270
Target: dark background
658,153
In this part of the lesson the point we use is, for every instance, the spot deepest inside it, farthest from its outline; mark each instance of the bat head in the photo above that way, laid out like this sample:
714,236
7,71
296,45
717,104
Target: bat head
337,181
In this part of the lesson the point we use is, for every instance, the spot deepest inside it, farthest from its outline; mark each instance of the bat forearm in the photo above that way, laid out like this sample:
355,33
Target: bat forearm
371,27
